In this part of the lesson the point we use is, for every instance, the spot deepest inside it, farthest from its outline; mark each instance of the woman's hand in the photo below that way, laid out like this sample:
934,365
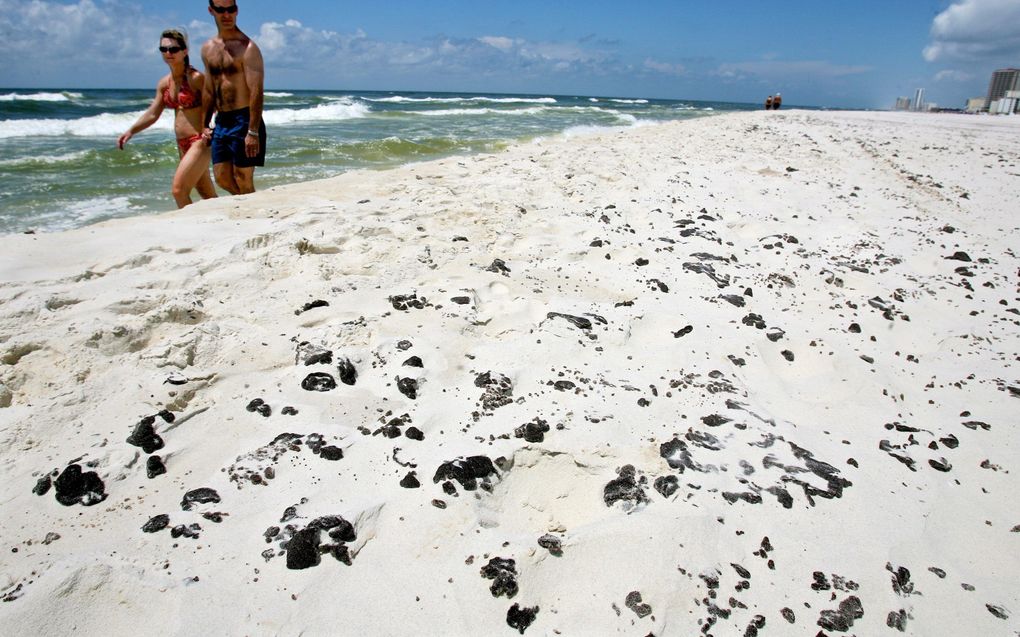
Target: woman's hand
123,139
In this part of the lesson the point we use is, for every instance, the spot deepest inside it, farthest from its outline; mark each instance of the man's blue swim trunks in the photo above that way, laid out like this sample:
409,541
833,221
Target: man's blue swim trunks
228,139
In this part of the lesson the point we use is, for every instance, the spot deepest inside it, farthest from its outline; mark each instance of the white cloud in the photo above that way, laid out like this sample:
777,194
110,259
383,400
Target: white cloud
74,33
976,30
665,67
771,69
950,75
114,41
497,42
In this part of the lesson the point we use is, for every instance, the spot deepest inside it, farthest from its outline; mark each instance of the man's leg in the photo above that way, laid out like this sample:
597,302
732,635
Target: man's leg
225,175
245,179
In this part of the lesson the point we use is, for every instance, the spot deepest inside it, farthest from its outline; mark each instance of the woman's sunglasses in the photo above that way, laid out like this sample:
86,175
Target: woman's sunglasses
221,10
171,49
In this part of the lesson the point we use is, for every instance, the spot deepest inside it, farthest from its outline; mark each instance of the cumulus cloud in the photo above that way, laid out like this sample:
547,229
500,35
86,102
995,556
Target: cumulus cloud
64,40
75,33
976,30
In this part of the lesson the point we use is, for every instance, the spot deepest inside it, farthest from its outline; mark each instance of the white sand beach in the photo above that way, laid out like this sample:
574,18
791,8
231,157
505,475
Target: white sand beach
751,374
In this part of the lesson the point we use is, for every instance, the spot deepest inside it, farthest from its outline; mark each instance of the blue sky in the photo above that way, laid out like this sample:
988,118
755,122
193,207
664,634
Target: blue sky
819,52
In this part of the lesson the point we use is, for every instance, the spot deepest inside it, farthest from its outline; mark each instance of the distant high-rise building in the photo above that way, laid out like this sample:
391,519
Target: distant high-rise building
919,100
903,103
1003,80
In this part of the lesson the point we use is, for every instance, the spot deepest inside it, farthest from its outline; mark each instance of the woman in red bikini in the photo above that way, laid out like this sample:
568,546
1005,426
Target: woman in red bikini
180,90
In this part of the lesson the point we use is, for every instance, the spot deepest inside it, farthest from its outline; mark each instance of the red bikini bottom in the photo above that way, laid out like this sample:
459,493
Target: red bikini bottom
184,143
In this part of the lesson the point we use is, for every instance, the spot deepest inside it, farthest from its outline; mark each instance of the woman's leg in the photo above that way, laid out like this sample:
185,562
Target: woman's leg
190,172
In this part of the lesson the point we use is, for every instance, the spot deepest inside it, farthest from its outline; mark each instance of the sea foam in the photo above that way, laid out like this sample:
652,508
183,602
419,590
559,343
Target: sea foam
104,125
400,99
339,110
535,110
40,97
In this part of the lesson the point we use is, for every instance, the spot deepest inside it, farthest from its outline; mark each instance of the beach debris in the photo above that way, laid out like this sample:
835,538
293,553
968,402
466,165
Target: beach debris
331,453
154,467
901,583
311,306
43,484
633,602
408,387
842,619
156,523
721,280
577,321
521,618
348,373
303,549
498,392
319,382
145,436
503,573
897,620
74,486
684,331
410,481
258,405
533,431
308,354
667,485
405,302
190,531
626,488
467,471
754,320
959,256
552,544
997,611
499,267
203,495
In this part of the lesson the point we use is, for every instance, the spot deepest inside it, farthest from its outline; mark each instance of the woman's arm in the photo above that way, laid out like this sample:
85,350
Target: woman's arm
147,119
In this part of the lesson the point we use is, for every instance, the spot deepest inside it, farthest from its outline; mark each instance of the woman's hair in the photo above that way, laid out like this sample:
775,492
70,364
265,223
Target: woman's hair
182,40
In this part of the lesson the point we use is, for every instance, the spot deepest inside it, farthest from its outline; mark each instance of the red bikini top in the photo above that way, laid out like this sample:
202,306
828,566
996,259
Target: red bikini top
186,98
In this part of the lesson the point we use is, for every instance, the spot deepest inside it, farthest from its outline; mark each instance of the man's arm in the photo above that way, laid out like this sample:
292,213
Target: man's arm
254,76
208,99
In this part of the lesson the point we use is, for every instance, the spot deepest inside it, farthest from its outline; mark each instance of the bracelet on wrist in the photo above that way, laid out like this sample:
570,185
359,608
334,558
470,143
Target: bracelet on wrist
253,133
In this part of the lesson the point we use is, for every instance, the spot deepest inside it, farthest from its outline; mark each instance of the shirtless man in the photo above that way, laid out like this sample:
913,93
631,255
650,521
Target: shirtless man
233,88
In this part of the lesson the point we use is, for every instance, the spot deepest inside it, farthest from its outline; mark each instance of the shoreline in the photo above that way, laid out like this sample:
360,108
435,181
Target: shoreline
748,365
55,153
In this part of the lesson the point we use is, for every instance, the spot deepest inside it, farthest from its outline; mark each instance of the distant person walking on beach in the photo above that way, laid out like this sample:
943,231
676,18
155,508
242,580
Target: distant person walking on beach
234,89
777,101
768,103
180,90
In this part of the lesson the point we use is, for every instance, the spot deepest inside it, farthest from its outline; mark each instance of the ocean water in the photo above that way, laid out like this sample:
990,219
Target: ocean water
60,166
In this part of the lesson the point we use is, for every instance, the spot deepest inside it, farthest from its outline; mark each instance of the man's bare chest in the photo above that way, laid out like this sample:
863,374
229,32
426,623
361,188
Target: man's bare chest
226,59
